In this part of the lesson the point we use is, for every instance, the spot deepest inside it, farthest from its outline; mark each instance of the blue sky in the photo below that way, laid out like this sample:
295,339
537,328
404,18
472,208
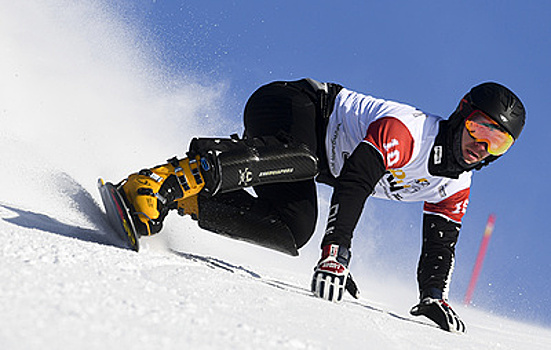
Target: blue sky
428,54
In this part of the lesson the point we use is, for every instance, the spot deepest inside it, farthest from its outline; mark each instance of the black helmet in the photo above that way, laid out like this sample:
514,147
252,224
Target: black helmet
500,104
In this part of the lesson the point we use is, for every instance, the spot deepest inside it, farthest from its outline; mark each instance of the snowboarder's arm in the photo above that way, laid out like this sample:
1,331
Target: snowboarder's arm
437,254
441,225
360,174
358,178
440,234
388,144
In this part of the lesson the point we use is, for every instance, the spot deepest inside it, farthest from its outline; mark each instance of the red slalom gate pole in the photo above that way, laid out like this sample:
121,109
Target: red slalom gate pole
480,258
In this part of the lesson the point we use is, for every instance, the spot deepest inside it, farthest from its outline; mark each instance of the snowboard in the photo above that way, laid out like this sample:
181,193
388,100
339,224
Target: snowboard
118,214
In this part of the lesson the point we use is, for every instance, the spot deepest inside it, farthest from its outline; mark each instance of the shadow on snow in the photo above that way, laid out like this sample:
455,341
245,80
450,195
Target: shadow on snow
82,202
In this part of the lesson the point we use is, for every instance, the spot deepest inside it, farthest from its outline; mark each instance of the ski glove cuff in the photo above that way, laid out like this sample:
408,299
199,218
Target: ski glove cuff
441,313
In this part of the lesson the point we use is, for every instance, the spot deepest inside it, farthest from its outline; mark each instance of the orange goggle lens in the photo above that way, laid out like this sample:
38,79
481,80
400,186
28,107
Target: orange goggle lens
484,129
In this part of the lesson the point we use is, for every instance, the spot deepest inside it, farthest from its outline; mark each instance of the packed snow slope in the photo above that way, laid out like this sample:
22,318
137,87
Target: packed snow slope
79,100
65,285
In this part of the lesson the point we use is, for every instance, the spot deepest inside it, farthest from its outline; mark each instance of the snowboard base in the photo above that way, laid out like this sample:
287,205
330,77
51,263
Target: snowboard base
118,214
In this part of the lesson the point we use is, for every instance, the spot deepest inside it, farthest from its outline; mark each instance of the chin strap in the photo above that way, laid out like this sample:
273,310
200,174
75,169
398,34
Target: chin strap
486,162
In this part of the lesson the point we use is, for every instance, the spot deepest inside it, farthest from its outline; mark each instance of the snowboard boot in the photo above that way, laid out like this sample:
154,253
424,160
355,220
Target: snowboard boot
152,193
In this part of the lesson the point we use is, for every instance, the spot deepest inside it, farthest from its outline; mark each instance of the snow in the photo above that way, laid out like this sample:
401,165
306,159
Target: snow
64,282
63,290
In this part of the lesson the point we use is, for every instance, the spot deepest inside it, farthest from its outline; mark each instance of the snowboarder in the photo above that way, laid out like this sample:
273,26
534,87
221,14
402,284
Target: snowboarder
304,131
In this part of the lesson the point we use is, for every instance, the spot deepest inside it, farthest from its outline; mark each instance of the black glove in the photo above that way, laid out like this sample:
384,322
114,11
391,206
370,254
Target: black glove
441,313
331,275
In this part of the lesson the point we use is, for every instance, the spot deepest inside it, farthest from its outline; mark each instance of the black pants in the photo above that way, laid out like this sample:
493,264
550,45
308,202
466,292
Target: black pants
291,108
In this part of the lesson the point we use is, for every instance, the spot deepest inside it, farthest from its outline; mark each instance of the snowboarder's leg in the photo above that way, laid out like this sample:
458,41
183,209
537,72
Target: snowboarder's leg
280,168
214,167
285,223
233,163
239,215
298,208
287,109
283,215
281,129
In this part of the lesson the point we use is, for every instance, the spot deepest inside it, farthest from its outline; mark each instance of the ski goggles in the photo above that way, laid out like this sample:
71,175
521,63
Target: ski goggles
483,129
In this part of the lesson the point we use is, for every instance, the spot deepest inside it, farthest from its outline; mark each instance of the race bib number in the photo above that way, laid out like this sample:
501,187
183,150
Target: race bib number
393,139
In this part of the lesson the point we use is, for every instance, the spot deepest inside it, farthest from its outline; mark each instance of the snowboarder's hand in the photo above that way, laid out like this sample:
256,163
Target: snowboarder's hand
331,273
441,313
